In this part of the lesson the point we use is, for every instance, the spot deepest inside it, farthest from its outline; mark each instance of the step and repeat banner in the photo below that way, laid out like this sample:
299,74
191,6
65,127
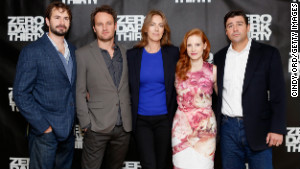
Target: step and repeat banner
273,22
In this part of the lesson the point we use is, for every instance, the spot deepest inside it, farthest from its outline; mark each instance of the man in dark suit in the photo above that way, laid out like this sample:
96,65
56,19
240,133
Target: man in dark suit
251,100
44,91
106,115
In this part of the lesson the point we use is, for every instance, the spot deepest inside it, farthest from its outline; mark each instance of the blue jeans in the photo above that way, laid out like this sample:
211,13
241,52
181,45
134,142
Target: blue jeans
48,153
235,150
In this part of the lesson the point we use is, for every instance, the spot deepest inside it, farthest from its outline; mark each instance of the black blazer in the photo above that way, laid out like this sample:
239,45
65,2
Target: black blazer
262,112
170,55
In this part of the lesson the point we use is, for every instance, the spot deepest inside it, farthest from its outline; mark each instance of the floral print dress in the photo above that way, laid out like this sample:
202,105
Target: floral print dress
194,126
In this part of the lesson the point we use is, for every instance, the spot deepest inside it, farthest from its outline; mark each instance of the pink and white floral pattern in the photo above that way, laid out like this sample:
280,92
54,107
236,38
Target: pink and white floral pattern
194,126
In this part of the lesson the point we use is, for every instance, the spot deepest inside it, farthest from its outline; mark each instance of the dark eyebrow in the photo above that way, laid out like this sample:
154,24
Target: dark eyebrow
229,23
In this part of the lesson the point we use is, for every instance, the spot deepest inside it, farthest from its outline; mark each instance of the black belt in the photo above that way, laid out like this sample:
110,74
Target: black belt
235,117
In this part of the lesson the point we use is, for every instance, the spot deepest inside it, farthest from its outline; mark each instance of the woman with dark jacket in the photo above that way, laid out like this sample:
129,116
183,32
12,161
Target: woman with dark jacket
151,66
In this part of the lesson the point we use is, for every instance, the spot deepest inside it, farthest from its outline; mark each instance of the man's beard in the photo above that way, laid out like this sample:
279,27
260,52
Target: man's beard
105,39
59,33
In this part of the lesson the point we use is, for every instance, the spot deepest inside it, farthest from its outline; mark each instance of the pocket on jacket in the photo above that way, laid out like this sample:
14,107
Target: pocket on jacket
96,105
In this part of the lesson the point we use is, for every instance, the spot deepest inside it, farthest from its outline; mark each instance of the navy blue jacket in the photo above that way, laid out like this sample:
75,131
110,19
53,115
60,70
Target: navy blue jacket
261,113
42,90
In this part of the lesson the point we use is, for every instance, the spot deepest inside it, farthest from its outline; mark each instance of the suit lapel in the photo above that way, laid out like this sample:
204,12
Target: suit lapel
220,74
52,52
138,62
167,70
125,67
99,58
72,53
253,59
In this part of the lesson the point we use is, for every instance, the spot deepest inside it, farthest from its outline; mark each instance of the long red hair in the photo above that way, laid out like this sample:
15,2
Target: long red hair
184,63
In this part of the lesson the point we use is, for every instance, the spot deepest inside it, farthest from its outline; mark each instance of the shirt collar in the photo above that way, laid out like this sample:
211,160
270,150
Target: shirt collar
115,47
247,48
65,44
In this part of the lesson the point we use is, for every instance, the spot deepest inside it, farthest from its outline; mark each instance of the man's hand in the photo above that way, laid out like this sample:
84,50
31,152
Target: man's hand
87,96
48,130
274,139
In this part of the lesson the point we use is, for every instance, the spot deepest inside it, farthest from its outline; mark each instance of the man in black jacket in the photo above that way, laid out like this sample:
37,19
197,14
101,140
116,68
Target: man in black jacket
251,100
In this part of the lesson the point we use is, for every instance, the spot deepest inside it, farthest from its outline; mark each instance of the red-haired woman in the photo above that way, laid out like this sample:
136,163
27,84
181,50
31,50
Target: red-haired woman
194,125
151,66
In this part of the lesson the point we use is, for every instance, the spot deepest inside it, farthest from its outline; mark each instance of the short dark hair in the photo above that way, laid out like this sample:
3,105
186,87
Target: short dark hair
234,13
106,9
57,5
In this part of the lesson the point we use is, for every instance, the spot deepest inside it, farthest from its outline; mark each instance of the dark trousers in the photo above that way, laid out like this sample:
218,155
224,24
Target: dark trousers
235,150
114,143
153,137
48,153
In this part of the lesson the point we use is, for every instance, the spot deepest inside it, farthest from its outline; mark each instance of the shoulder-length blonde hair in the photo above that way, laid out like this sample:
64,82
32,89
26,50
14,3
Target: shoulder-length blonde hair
184,62
165,40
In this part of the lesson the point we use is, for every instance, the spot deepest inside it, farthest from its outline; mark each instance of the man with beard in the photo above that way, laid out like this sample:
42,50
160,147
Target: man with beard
44,91
105,115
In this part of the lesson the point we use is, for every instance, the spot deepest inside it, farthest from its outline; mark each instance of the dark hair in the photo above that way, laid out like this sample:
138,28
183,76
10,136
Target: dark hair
106,9
234,13
184,62
57,5
165,40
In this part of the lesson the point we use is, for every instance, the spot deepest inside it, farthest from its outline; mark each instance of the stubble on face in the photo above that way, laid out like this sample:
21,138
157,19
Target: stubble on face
59,30
59,22
237,29
105,27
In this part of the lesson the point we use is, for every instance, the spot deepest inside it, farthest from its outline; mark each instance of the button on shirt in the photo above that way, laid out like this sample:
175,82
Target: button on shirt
234,73
115,68
114,64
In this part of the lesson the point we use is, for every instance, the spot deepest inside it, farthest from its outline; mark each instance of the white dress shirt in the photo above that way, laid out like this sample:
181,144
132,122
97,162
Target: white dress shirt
234,73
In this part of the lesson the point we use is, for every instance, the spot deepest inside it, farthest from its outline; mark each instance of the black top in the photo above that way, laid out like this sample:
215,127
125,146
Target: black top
170,56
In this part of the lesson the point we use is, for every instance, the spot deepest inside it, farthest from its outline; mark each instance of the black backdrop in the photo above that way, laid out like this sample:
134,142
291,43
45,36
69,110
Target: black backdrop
22,20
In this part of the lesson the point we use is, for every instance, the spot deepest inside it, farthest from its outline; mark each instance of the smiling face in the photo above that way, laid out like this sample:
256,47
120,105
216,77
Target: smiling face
104,26
155,30
59,22
237,29
195,47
